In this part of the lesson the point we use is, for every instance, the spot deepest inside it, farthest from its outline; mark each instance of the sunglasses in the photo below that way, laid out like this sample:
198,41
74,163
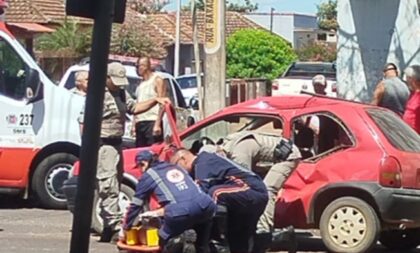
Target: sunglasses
385,70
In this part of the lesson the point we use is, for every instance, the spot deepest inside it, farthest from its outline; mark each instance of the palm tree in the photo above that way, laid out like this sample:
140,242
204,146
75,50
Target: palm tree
69,38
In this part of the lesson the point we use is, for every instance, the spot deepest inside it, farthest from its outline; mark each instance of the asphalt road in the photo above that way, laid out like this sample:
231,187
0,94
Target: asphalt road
25,228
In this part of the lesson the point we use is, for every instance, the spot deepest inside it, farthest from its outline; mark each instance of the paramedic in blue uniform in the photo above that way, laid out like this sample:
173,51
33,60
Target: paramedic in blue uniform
240,190
184,205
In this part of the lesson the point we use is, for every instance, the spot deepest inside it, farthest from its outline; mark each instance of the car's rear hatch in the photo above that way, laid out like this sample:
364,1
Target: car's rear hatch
402,146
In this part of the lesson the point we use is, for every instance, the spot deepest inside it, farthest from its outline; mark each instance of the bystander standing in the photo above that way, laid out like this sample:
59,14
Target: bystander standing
148,126
117,102
391,92
81,82
412,110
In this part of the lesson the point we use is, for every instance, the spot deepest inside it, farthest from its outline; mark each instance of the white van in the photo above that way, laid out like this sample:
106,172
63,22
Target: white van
39,133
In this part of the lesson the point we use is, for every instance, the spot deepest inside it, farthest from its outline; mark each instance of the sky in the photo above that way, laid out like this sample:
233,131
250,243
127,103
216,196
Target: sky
298,6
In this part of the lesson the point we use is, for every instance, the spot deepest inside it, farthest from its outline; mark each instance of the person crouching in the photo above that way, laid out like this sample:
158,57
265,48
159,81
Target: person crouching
184,205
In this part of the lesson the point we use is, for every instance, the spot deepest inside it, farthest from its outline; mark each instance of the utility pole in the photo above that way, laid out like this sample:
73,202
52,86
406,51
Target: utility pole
177,38
215,62
197,58
271,20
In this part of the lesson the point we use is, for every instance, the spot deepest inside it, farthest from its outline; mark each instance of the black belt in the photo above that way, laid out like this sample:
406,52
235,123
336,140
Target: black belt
110,141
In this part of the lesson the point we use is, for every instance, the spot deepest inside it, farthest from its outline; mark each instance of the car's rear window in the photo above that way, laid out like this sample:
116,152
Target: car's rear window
187,82
398,133
310,70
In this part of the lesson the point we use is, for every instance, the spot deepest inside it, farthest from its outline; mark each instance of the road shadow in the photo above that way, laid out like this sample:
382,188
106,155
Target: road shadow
307,242
16,202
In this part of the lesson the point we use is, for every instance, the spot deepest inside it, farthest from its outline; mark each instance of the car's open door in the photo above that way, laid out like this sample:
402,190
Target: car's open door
170,132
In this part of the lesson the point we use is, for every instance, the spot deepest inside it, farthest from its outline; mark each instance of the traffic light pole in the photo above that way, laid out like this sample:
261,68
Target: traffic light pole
92,124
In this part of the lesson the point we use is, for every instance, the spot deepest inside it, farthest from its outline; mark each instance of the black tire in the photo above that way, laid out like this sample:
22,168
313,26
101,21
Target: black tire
339,221
48,179
403,240
126,193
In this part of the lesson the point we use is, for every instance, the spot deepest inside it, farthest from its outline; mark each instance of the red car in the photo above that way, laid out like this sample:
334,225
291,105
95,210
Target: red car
359,180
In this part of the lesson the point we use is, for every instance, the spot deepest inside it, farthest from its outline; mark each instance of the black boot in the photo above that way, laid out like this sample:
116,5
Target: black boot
262,242
109,235
286,235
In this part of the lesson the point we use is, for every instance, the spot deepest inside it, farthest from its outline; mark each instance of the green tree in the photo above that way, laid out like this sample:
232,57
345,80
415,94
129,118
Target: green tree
257,53
233,5
69,37
317,52
327,15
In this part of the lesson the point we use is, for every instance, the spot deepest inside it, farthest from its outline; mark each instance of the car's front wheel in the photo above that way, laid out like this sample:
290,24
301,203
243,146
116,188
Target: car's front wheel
402,240
349,225
126,194
48,179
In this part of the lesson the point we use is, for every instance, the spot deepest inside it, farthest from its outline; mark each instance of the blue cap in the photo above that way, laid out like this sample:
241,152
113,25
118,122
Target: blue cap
144,155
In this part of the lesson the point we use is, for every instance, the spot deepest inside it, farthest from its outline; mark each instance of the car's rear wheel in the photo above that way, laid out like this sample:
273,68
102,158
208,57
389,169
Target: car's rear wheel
126,194
400,239
349,225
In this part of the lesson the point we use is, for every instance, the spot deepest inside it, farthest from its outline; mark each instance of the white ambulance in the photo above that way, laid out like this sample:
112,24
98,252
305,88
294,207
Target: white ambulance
39,132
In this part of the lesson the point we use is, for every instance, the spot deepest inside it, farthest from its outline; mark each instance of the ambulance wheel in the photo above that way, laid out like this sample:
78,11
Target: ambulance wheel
48,179
126,194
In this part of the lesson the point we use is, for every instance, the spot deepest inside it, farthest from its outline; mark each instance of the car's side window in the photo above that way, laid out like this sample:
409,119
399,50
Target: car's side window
71,81
12,73
133,83
215,131
179,96
320,134
170,91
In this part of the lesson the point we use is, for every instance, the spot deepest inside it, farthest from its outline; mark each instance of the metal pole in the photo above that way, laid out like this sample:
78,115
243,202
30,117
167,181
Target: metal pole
92,123
197,59
271,20
177,38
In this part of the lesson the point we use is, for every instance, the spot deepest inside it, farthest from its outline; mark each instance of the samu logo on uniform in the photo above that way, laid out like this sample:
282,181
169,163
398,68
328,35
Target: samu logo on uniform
176,177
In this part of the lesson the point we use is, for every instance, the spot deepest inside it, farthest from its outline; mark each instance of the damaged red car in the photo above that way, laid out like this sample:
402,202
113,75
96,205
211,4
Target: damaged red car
359,180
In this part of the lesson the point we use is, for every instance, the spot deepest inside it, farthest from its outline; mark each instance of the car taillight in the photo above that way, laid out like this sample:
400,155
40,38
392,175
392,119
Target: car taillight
390,172
275,85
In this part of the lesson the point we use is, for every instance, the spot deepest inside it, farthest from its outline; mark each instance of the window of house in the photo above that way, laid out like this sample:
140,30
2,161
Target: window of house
322,37
12,72
215,131
320,134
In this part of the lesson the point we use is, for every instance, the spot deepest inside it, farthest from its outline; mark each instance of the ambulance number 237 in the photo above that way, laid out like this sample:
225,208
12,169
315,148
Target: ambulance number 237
26,119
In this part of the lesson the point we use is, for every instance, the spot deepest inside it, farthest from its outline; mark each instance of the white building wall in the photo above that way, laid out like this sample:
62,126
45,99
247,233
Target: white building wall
372,33
282,25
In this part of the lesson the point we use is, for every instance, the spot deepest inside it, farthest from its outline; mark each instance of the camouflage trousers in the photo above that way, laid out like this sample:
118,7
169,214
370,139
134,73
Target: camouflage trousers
109,177
274,181
245,153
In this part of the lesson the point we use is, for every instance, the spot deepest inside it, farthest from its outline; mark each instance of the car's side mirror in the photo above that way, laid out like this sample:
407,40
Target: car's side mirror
33,84
194,103
190,121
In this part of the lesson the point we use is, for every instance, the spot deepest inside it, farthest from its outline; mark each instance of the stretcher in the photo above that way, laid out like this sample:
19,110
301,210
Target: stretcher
143,238
123,247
